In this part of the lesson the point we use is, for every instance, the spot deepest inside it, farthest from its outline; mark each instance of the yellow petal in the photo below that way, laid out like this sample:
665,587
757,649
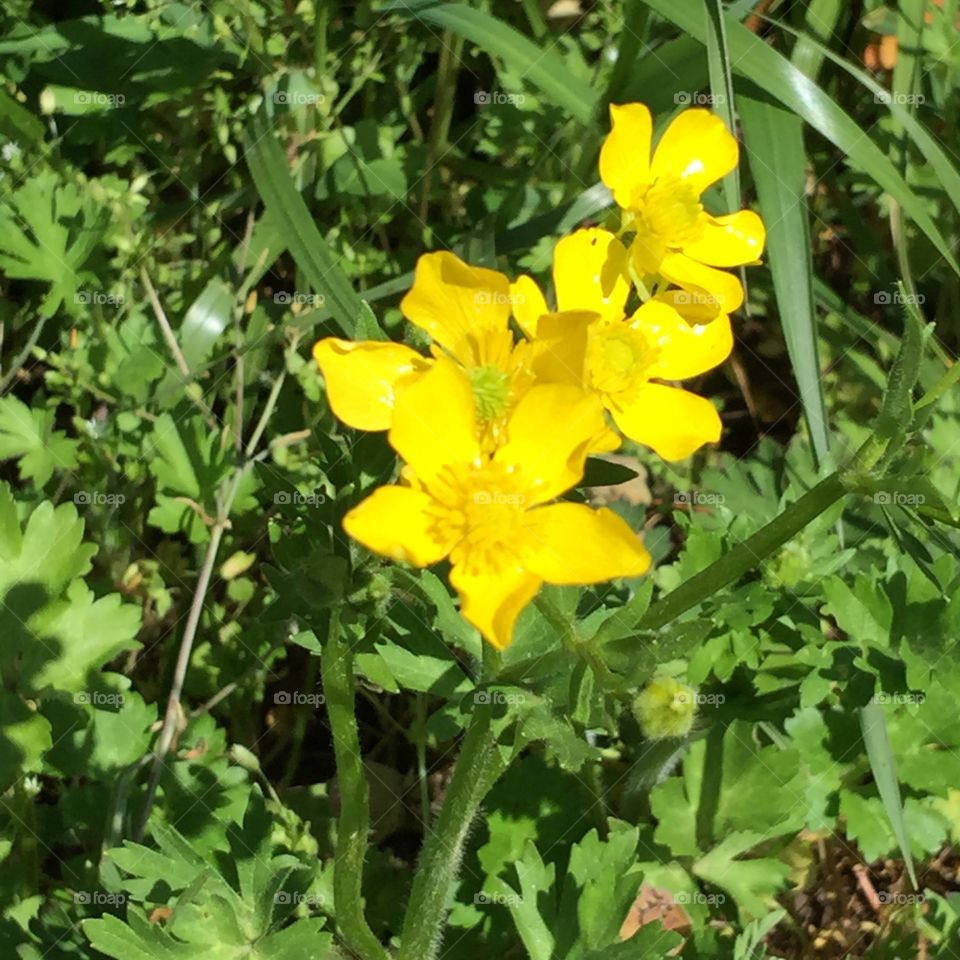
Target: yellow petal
729,241
625,155
686,349
695,306
400,523
492,599
698,147
590,273
707,285
671,421
568,543
549,434
560,347
362,378
528,304
434,421
458,305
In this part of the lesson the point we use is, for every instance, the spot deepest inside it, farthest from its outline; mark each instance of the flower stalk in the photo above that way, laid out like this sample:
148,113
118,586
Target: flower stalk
353,824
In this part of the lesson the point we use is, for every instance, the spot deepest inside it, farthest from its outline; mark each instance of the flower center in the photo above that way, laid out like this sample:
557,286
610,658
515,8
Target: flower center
491,391
671,211
618,358
482,508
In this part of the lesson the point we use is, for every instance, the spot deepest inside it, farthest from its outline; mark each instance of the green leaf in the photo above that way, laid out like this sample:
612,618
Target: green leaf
48,232
271,174
27,434
773,138
873,725
752,883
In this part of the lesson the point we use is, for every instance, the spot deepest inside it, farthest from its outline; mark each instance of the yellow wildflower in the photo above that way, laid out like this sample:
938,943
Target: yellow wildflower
490,512
675,239
592,344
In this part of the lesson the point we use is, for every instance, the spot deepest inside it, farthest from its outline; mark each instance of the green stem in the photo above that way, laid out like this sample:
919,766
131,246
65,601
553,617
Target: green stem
745,556
476,770
353,825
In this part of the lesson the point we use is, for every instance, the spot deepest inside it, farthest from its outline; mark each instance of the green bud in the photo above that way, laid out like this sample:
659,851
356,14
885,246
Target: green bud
665,708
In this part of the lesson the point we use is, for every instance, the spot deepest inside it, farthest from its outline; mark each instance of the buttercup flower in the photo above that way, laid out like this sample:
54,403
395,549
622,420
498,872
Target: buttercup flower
490,513
591,344
675,239
466,312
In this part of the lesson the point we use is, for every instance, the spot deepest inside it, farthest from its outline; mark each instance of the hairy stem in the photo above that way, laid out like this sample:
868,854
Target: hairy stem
476,770
353,825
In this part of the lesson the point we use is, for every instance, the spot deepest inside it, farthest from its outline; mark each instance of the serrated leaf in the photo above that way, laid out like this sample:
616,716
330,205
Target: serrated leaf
27,434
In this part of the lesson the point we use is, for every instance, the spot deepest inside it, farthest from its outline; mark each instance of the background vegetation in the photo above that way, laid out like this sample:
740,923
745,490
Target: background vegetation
190,195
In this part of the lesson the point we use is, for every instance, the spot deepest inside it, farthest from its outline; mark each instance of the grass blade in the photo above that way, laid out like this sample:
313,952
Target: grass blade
874,727
773,138
271,174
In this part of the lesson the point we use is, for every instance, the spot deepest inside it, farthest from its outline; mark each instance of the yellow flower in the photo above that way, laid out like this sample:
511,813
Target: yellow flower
466,312
675,238
490,513
591,344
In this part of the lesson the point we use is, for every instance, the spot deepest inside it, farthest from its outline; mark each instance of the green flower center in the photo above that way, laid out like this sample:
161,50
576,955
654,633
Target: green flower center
618,358
671,211
491,391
